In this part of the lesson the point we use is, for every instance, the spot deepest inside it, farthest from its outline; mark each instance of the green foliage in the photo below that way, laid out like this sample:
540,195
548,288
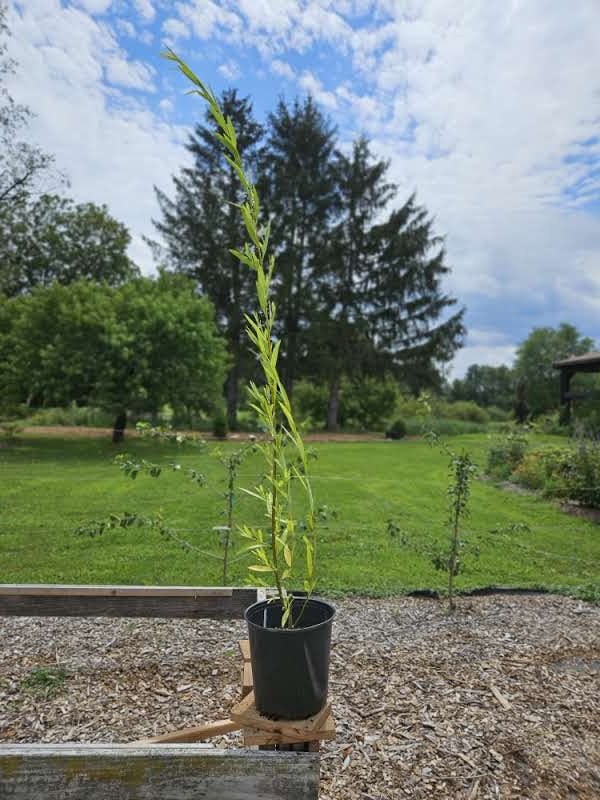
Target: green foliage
486,386
73,415
220,423
51,238
47,681
273,549
111,347
10,430
533,364
571,473
505,454
364,403
397,430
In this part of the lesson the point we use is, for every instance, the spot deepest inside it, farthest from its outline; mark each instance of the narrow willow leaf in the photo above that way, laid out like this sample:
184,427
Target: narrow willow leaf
260,568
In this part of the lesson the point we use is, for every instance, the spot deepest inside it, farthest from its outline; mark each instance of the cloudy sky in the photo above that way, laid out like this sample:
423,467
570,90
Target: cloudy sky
490,109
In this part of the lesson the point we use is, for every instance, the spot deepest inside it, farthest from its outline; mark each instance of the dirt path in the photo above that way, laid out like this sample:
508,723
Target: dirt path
79,431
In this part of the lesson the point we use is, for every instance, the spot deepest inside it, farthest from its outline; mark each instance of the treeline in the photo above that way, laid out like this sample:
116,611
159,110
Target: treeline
359,274
530,387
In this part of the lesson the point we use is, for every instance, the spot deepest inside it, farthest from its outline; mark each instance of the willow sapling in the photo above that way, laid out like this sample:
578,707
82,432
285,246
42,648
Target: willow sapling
274,544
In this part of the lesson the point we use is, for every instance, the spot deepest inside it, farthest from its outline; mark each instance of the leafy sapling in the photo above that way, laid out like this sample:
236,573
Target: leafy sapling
274,543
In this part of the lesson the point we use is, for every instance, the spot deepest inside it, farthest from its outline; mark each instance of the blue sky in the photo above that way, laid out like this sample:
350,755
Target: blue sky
490,110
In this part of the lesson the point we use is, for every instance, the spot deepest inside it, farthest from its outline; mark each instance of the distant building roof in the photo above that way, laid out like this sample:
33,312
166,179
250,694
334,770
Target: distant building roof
589,359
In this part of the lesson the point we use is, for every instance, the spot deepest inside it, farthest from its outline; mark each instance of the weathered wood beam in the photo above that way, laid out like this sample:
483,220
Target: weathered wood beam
35,600
156,772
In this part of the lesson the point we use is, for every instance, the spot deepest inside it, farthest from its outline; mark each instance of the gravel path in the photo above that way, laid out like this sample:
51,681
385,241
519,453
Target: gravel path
500,700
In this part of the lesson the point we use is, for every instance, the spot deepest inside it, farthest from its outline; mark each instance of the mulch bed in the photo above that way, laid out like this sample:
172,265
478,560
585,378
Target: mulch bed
499,700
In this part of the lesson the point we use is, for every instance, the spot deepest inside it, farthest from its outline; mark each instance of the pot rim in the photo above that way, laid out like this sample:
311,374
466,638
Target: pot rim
289,631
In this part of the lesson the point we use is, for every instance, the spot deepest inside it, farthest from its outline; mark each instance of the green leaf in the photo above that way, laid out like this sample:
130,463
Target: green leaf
260,568
287,554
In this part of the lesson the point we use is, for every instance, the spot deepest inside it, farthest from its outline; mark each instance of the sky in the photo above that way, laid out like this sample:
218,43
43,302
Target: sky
488,109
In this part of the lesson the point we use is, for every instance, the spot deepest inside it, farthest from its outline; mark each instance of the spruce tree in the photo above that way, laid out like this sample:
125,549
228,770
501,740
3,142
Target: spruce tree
197,234
299,188
382,309
410,315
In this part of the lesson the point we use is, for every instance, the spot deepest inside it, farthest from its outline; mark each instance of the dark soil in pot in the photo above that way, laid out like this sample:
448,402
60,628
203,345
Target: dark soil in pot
290,666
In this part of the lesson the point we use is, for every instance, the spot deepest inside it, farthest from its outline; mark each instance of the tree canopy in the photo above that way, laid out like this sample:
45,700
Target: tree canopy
358,278
129,348
533,364
51,238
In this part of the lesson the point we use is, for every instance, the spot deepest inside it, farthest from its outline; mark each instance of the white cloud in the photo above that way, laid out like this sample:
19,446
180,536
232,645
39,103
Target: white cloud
129,74
126,28
313,86
175,29
282,68
166,105
230,70
94,6
114,149
145,9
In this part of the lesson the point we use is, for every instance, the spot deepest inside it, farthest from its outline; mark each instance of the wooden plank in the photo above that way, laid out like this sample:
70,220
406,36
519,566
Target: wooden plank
289,735
247,679
108,590
244,646
156,772
124,601
189,735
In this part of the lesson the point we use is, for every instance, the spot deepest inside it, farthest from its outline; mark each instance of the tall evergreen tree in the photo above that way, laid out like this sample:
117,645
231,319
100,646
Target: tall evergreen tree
199,226
381,298
410,316
299,189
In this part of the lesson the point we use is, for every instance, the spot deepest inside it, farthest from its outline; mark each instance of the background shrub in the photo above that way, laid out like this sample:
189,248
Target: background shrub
220,423
505,455
397,430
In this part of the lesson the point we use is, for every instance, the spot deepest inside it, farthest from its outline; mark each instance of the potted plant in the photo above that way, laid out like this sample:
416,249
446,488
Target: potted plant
289,636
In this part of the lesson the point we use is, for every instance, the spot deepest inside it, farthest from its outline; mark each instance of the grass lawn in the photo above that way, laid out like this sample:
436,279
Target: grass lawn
51,486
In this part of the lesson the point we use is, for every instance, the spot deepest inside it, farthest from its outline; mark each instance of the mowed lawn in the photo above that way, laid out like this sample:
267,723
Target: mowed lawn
50,486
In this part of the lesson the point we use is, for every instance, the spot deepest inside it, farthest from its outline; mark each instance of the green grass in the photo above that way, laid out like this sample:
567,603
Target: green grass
51,486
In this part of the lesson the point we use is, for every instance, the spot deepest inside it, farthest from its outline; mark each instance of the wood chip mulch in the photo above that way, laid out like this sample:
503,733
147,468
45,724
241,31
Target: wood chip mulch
499,700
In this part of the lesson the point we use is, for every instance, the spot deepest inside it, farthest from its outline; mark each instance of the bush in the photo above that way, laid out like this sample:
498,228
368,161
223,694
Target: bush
465,410
397,430
497,414
87,416
365,404
505,455
220,424
581,473
569,473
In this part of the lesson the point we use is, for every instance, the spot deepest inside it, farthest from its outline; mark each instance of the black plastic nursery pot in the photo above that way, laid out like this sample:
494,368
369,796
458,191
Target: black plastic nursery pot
290,666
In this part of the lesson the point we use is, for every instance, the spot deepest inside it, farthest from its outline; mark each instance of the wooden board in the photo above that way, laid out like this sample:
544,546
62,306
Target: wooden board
157,772
188,735
288,736
124,601
244,646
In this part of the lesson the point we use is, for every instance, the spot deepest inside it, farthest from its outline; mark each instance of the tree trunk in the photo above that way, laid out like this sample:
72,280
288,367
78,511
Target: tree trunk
119,427
334,404
232,396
